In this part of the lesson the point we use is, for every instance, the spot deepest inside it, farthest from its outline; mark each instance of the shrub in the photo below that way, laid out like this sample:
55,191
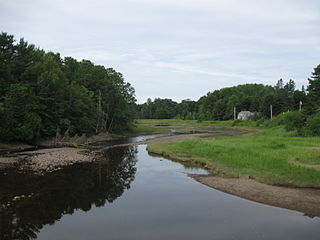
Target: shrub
313,125
295,121
276,121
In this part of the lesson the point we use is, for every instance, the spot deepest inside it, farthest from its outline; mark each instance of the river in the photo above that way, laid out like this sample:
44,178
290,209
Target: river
132,195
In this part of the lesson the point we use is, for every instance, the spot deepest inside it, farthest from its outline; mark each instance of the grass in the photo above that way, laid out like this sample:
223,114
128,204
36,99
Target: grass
156,125
272,156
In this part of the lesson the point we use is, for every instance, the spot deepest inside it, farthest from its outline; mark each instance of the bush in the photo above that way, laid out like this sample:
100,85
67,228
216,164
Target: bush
313,125
295,121
276,121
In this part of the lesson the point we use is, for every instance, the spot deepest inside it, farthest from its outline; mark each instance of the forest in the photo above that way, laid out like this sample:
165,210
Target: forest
42,94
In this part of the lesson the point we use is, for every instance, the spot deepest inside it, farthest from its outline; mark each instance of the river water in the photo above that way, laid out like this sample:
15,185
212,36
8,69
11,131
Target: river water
132,195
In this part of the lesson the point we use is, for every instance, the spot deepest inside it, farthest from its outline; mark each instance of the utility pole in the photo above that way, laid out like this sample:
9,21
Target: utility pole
300,106
234,113
271,111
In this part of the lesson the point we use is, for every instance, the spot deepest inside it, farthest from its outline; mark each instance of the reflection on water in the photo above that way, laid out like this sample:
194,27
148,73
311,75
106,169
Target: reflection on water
28,201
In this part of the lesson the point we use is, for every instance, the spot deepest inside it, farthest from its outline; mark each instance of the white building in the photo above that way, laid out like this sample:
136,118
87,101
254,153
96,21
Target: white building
245,115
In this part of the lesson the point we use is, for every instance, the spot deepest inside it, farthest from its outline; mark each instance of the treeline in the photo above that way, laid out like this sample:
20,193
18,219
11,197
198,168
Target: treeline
42,94
166,109
220,104
258,98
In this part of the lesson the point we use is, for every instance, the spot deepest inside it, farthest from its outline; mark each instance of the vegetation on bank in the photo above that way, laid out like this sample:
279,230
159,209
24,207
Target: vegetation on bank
271,156
42,94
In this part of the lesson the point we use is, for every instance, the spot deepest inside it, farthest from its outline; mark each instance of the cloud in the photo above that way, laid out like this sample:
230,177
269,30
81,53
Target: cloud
204,44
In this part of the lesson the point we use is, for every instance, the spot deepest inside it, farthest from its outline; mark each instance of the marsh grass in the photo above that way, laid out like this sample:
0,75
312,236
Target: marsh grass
269,157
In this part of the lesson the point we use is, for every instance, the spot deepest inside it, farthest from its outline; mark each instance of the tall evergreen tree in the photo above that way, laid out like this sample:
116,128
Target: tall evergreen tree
313,98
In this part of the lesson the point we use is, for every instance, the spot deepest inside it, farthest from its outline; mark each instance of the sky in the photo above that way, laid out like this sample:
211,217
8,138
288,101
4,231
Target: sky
178,49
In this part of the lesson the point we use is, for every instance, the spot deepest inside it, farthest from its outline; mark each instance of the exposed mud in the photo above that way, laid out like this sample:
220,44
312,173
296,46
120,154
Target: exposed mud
305,200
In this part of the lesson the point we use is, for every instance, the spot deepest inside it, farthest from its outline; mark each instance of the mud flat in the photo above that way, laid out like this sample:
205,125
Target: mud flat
305,200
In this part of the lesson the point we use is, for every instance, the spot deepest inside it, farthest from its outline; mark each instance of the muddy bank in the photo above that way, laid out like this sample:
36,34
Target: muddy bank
305,200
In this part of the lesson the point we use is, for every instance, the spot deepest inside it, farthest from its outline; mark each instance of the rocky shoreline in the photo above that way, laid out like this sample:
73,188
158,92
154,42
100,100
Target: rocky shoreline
51,154
48,160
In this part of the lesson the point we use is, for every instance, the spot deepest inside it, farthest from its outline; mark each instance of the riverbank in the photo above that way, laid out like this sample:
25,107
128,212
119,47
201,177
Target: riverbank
267,157
269,167
47,160
51,154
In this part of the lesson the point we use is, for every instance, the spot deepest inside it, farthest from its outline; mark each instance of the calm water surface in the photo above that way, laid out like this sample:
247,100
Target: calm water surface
132,195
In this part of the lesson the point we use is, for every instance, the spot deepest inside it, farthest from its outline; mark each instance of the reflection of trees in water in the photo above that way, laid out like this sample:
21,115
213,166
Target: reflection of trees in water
61,192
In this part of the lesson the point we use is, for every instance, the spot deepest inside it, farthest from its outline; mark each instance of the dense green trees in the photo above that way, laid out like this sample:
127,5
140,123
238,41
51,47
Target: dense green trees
166,109
158,109
41,93
219,104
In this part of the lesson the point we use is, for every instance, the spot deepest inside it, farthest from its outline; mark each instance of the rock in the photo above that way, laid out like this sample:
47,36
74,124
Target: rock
16,198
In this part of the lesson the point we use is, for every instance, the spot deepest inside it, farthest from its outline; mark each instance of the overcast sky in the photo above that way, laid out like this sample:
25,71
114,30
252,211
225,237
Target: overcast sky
177,48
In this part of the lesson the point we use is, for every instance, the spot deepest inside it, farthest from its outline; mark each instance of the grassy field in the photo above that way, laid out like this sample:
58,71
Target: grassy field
271,156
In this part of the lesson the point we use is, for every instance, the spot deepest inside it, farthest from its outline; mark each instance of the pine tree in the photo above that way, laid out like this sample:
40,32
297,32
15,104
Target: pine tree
314,91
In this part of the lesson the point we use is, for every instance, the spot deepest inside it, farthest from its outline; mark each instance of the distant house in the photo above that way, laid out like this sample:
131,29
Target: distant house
245,115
